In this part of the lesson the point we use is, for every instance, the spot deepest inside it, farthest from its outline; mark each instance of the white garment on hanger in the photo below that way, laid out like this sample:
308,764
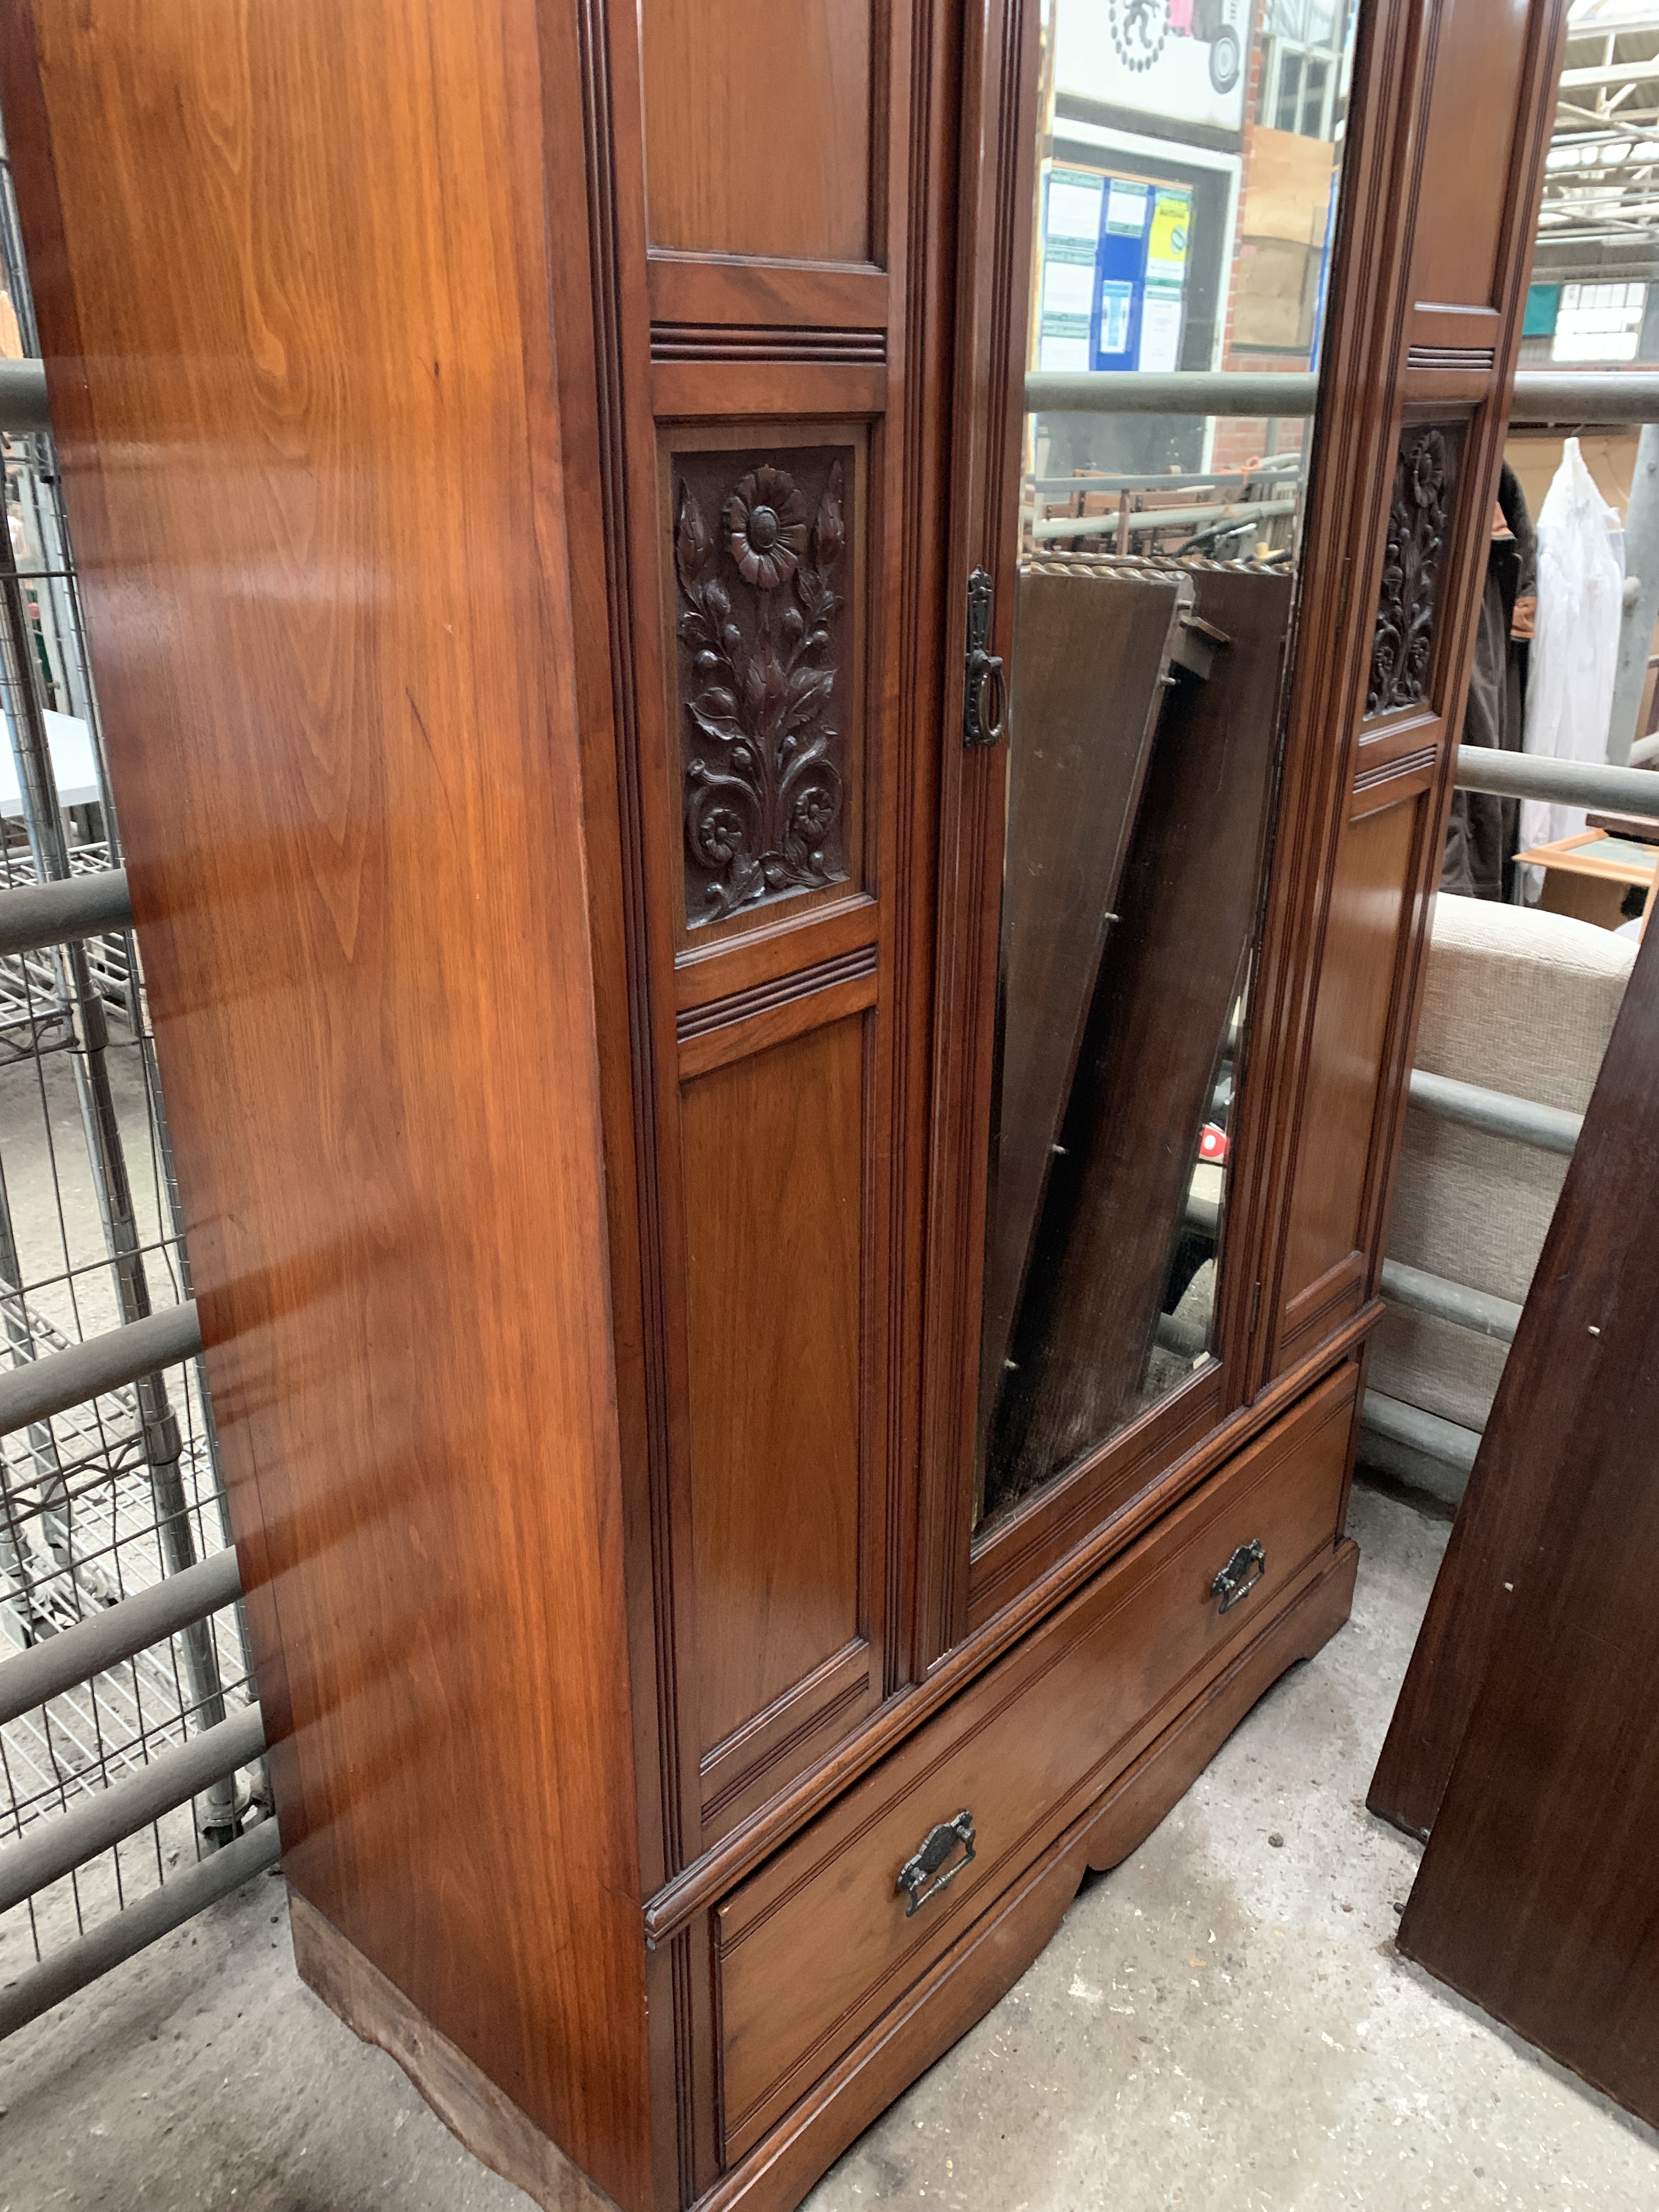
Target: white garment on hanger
1575,652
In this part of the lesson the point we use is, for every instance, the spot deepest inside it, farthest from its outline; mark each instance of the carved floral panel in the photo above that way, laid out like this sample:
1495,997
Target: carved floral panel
761,544
1420,529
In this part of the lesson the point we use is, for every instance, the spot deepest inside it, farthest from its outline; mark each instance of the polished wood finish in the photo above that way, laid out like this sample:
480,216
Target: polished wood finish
1091,650
813,1948
315,506
1357,987
757,122
774,1158
592,1271
992,1954
1538,1668
1438,346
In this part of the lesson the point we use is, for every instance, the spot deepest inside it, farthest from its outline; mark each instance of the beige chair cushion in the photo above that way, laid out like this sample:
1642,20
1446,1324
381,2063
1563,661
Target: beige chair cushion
1517,1000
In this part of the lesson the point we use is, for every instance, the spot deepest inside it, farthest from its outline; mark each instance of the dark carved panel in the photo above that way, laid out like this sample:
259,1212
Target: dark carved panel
759,541
1420,519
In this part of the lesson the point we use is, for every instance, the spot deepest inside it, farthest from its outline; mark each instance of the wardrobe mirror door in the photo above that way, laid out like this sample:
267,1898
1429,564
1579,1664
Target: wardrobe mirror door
1187,172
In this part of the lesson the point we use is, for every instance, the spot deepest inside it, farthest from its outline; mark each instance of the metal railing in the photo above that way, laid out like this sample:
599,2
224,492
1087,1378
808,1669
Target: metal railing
127,1715
1401,1437
1541,397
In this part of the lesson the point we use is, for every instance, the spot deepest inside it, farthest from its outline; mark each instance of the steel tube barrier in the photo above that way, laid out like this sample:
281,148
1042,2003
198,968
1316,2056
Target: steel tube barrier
120,1356
1540,396
1546,1128
53,1848
1415,1430
28,1678
141,1923
1416,1289
1566,783
35,915
23,398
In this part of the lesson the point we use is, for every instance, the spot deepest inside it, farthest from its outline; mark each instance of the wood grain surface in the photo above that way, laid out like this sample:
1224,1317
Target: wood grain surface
290,271
758,126
815,1946
1536,1677
773,1159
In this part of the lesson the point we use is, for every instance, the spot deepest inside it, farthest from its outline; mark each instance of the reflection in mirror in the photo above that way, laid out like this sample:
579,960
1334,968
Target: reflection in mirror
1186,206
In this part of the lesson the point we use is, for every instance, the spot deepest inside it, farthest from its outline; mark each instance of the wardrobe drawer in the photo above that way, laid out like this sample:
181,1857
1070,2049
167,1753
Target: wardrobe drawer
816,1945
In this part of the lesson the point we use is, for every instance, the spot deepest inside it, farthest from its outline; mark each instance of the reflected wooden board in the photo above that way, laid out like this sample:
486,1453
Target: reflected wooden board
1091,646
1188,902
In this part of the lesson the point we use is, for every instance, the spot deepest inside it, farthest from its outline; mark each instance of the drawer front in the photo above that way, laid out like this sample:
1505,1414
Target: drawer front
818,1944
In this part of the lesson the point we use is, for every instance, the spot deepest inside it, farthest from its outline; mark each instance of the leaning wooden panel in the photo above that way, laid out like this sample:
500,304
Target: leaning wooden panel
302,416
1091,650
1538,1666
1188,899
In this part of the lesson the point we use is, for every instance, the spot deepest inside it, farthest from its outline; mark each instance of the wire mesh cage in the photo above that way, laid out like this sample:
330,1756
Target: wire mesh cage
104,1500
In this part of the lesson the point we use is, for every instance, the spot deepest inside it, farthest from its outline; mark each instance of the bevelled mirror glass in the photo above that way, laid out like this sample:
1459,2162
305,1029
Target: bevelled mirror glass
1188,173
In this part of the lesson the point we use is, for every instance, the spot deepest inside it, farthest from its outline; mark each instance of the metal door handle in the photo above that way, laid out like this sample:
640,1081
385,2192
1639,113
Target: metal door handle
983,667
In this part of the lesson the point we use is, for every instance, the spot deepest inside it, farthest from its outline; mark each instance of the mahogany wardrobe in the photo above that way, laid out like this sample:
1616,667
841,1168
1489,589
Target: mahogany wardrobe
784,1084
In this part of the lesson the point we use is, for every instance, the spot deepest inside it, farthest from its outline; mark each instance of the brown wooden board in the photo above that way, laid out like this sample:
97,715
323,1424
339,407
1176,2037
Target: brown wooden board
1188,904
1091,646
1536,1895
1568,1405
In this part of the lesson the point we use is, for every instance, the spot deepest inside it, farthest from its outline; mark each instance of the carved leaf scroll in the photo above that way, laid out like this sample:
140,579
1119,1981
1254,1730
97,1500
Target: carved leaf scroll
761,637
1420,520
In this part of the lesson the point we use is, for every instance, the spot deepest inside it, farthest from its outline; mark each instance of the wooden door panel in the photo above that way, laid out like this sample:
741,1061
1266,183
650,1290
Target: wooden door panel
1323,1269
1464,211
775,1207
1454,349
759,126
763,219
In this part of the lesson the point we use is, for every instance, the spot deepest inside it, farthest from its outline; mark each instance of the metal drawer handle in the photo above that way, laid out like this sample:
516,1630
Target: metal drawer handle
1240,1573
937,1847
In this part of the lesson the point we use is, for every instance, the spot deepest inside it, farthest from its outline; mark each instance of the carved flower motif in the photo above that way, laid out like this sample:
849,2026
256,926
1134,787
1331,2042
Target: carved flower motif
766,528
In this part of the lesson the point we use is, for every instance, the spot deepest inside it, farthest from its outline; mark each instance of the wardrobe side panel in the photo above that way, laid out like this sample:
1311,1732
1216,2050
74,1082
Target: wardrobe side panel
291,275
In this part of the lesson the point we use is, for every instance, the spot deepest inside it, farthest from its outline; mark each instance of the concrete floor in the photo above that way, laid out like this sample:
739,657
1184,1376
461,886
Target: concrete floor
1223,2022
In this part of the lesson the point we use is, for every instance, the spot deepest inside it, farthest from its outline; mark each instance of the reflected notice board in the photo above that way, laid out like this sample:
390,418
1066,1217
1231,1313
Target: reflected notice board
1114,276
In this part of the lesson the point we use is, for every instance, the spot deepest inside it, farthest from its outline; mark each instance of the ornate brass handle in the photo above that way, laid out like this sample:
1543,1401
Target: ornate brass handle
936,1847
1240,1573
